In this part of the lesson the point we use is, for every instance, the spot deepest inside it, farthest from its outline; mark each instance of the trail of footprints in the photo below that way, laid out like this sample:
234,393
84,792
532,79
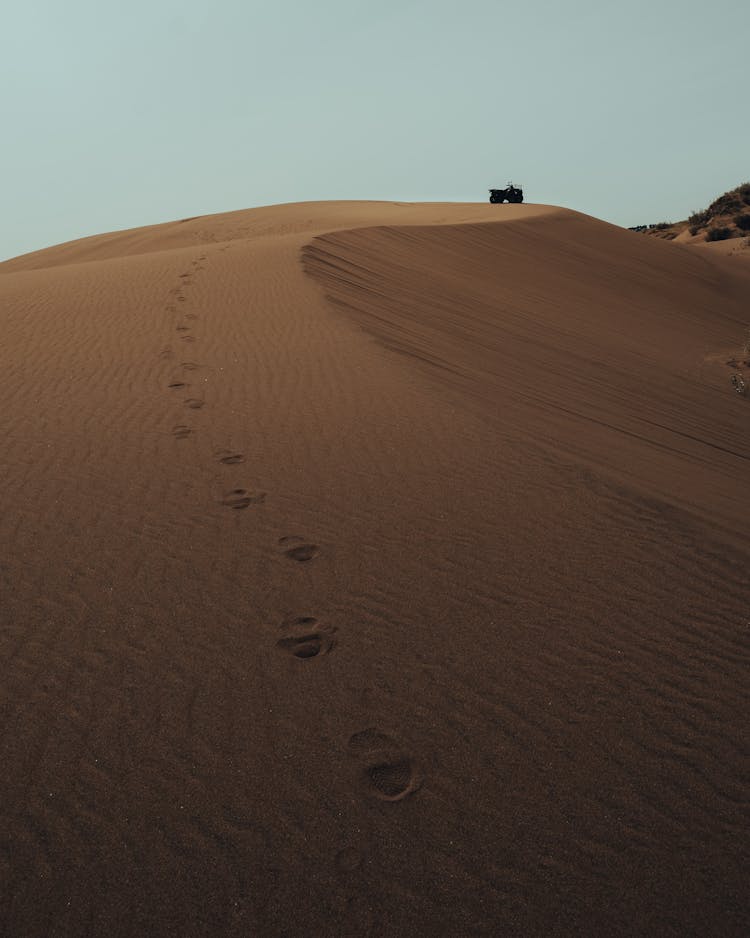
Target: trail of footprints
237,498
383,769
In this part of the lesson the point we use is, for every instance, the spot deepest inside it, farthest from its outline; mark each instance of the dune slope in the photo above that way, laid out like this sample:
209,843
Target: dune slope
371,568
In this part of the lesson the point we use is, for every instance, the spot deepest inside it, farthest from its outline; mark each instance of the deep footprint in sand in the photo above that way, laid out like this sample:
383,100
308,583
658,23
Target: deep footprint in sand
181,432
241,498
303,553
296,548
308,640
386,772
194,403
391,779
177,385
306,646
228,458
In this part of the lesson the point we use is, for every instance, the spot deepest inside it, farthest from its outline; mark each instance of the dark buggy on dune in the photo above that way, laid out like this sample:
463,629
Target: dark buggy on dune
511,193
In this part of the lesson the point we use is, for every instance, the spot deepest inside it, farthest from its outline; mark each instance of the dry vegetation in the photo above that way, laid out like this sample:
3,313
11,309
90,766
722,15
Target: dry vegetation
726,217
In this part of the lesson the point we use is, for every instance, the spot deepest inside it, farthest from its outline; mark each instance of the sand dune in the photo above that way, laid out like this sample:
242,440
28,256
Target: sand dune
373,569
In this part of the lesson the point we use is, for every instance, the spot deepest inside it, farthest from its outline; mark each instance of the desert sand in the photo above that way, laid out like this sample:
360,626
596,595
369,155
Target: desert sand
374,569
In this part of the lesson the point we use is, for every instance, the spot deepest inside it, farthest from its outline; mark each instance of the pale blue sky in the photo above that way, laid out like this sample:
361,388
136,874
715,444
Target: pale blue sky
116,115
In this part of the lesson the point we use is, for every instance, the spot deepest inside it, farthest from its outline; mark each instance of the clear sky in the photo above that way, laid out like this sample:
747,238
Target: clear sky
116,115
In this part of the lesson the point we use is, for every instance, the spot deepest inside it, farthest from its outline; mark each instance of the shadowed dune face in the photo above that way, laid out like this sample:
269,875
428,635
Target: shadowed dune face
369,568
569,334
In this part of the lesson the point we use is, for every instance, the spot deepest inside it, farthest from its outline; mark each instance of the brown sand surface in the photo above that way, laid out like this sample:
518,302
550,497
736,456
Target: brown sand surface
732,247
373,569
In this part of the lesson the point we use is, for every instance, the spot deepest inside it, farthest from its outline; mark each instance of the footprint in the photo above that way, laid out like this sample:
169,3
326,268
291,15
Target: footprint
391,779
309,641
306,646
189,366
302,553
241,498
181,431
228,458
188,338
166,353
182,328
191,315
295,548
177,385
194,403
386,772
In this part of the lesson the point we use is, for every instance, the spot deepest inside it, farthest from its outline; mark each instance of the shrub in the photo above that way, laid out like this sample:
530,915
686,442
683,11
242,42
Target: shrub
743,222
699,219
694,230
744,191
661,225
718,234
726,205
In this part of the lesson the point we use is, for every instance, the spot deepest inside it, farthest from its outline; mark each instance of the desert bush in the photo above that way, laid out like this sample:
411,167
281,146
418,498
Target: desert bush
744,191
661,225
699,219
727,204
718,234
743,222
